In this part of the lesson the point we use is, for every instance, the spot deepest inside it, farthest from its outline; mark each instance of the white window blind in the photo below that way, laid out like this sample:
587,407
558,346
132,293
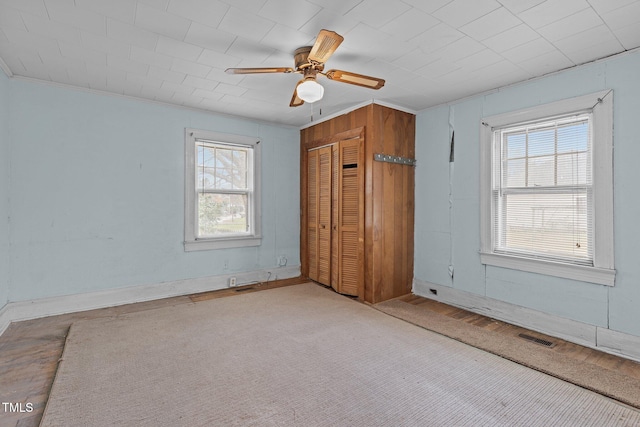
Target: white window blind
542,189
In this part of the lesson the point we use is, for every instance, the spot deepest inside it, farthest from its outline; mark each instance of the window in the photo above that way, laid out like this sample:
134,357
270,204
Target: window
542,190
547,189
222,193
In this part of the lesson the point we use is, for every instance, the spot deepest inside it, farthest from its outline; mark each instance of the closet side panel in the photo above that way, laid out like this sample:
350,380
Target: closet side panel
392,204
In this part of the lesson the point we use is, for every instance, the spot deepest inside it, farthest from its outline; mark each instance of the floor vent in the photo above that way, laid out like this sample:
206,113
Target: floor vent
537,340
250,288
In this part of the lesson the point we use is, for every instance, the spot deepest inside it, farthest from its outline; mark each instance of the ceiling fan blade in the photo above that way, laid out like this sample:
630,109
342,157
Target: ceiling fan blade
326,43
295,99
355,79
258,70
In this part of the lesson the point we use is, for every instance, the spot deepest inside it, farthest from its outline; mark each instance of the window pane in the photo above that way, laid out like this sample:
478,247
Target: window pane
206,178
572,169
541,171
551,224
541,142
205,172
516,145
224,167
222,214
515,173
574,137
240,169
208,156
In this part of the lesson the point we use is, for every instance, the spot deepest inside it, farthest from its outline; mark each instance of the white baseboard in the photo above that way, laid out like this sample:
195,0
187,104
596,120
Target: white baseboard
603,339
619,343
4,318
33,309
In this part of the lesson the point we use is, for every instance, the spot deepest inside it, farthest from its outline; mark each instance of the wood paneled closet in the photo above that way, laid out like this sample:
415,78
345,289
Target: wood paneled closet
357,213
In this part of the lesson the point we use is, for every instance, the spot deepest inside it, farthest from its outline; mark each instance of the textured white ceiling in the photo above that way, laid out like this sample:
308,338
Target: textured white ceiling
428,51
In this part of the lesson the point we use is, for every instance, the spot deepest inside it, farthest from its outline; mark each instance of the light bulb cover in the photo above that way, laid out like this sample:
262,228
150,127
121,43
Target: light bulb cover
310,91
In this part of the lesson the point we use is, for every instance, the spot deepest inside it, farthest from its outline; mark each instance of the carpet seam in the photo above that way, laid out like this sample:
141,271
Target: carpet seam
56,375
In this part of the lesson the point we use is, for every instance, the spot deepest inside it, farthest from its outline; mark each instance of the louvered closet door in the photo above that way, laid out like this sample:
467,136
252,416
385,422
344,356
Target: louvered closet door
312,213
319,214
335,216
324,215
350,217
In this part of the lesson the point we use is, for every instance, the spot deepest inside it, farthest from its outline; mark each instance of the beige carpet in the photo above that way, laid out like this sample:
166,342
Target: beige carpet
299,356
608,382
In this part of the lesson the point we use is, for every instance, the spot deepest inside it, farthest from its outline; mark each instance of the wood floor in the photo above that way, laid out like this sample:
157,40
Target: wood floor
30,350
567,349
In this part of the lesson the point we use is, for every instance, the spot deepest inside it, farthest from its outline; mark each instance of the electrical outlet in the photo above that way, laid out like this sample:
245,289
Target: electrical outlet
282,260
232,282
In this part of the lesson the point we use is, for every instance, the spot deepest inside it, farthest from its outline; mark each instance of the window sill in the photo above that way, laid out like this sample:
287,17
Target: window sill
601,276
232,242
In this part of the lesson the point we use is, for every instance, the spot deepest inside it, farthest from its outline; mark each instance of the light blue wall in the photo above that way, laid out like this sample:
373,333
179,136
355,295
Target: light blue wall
443,233
5,152
97,191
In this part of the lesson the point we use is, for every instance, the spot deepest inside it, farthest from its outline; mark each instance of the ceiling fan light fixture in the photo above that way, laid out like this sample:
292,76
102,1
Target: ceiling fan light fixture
310,91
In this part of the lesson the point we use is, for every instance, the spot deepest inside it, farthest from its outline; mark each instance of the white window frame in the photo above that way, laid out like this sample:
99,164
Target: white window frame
191,241
602,272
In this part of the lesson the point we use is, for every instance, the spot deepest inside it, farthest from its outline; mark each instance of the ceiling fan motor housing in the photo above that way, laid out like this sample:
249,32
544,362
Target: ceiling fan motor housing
301,59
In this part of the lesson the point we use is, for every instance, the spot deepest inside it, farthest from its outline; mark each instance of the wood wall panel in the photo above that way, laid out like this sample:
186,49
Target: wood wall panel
388,195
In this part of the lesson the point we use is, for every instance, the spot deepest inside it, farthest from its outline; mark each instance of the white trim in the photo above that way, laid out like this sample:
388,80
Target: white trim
44,307
601,276
355,107
547,110
255,217
5,319
603,271
486,219
207,244
603,179
570,330
618,343
596,337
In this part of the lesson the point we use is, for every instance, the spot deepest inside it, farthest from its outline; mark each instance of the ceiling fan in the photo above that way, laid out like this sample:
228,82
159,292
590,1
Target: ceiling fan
309,61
